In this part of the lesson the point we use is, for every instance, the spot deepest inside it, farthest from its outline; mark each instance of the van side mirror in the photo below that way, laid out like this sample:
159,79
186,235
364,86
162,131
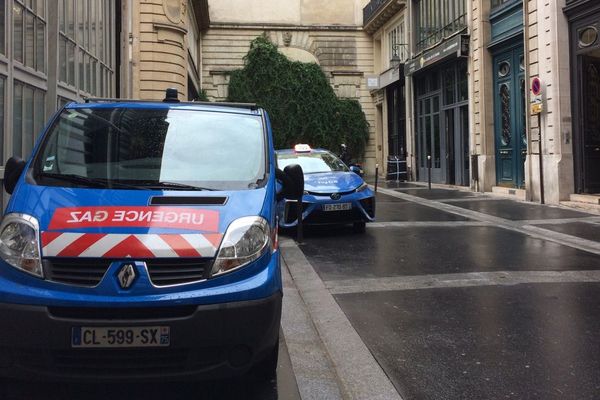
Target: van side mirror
12,172
292,182
295,189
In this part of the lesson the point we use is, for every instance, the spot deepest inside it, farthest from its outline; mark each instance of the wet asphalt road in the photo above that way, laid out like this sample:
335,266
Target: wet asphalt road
457,307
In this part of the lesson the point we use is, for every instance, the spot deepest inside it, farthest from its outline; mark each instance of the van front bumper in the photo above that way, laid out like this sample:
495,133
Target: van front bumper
206,341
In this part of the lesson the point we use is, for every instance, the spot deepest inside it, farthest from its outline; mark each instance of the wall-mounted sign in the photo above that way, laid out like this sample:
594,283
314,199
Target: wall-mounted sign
537,100
536,86
458,46
372,82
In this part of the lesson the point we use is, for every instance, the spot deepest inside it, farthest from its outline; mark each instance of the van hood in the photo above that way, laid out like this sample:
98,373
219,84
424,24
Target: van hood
110,223
332,182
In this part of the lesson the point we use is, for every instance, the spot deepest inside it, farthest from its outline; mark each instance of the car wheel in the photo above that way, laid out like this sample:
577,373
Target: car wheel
359,227
267,368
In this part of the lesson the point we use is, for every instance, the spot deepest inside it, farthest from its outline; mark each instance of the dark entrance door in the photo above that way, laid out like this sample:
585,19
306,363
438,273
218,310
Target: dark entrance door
590,124
509,114
396,102
430,139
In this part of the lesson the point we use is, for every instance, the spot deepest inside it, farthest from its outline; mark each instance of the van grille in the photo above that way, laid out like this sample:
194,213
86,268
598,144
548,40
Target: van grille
163,272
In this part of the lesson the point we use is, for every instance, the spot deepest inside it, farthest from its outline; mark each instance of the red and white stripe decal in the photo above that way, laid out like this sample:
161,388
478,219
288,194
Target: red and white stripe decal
68,244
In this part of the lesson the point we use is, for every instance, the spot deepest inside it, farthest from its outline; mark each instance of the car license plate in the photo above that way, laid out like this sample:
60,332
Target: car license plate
138,336
337,207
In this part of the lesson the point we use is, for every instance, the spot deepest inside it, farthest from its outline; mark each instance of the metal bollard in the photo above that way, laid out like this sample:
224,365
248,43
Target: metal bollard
429,171
376,176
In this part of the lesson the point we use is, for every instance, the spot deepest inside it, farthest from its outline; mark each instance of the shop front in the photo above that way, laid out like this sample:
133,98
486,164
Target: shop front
442,112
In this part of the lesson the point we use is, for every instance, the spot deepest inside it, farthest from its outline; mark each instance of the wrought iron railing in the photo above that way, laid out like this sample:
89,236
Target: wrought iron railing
430,37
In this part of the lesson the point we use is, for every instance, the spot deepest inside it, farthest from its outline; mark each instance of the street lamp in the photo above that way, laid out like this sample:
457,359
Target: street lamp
395,61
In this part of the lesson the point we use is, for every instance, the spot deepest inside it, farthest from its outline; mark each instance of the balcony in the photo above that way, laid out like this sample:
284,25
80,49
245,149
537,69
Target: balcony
378,12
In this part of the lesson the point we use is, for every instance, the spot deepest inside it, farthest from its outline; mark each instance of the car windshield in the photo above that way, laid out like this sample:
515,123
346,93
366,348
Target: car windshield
155,147
313,162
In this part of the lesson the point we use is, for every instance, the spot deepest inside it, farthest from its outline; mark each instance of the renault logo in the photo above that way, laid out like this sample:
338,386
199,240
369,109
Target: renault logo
126,276
335,196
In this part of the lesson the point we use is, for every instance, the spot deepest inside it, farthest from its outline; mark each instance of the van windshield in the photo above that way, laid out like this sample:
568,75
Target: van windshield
153,148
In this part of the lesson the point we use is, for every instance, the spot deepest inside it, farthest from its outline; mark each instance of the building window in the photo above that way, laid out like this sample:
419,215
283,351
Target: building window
498,3
85,58
2,27
438,19
29,116
397,43
29,33
2,97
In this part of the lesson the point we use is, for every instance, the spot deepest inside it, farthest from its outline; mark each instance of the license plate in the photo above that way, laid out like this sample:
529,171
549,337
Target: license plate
138,336
337,207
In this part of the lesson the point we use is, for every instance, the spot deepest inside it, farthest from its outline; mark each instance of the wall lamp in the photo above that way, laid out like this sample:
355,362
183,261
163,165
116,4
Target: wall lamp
396,61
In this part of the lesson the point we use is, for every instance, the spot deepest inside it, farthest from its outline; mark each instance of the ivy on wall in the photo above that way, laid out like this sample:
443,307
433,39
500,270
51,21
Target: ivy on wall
302,106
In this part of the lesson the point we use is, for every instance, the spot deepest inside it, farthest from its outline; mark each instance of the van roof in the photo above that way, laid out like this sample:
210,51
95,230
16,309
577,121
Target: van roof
238,108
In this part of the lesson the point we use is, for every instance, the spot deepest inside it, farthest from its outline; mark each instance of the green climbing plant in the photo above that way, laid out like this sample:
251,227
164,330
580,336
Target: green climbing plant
302,105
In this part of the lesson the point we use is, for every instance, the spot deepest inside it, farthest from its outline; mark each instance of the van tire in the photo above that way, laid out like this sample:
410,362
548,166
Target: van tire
359,227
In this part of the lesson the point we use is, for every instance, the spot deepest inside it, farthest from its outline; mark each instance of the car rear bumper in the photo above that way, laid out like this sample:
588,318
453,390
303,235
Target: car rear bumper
205,341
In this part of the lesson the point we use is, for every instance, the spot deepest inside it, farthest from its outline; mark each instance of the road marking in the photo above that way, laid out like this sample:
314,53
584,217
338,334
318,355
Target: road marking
359,373
558,221
469,279
466,199
539,233
417,224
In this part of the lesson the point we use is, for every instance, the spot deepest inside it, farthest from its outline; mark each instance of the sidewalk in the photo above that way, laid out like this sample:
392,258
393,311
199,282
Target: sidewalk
584,207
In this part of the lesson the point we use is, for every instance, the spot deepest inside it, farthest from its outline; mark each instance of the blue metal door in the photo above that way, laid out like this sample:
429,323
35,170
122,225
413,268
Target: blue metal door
509,114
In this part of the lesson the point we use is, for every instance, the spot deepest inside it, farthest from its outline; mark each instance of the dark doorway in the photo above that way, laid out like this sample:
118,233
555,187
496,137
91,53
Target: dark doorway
585,50
396,109
442,120
590,79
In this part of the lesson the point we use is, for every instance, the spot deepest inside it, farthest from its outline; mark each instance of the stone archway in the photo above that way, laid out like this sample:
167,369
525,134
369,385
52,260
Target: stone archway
297,46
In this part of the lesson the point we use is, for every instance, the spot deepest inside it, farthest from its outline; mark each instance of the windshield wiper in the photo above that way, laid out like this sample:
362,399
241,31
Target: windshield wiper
94,182
174,186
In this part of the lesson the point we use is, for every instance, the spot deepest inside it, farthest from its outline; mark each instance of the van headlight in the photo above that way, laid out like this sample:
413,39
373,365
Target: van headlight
19,243
246,240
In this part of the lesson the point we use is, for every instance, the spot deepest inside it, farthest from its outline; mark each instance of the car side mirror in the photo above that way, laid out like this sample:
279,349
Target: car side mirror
12,172
357,170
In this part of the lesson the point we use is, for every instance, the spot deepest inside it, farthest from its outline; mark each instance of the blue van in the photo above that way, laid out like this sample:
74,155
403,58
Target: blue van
140,241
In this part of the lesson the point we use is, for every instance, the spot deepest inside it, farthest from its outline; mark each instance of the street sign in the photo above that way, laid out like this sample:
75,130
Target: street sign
537,101
536,86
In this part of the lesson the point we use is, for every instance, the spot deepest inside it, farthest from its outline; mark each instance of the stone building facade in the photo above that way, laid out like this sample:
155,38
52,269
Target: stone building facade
161,48
327,33
467,104
550,155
